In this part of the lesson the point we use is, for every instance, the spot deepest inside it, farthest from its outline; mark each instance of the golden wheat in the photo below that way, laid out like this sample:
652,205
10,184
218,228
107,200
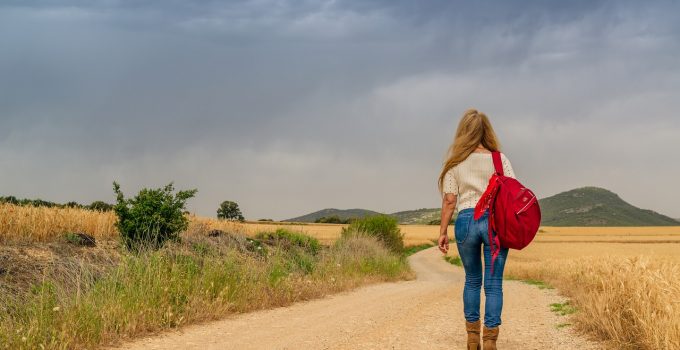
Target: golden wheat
626,290
41,224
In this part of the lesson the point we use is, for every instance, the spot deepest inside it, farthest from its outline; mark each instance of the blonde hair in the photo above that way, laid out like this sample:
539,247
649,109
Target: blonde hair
474,128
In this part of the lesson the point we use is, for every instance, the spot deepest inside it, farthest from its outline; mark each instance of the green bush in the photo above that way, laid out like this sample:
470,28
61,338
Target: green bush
151,218
383,227
287,238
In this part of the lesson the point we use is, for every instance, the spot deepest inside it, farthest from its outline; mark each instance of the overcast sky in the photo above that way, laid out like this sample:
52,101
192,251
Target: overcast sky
287,107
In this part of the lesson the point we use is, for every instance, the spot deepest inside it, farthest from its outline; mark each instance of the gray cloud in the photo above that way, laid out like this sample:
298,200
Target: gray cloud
291,106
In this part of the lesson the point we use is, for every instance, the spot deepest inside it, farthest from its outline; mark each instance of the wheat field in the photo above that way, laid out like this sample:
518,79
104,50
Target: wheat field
623,281
42,224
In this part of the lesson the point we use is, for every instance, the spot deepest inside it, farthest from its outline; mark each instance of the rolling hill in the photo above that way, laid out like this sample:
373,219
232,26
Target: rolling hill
587,206
409,217
593,206
419,216
343,214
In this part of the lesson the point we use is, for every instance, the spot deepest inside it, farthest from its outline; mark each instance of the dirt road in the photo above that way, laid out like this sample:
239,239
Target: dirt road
425,313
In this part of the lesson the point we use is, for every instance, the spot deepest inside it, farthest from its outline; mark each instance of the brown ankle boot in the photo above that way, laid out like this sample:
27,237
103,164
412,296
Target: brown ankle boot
473,335
490,335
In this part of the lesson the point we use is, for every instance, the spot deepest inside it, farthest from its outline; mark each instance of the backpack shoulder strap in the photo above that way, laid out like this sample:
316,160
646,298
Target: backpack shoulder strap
498,165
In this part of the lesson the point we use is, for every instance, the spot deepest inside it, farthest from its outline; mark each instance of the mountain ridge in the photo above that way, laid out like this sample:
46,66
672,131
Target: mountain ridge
595,206
343,214
584,206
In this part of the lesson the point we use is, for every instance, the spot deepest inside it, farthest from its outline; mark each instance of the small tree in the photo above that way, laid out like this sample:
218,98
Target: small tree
152,217
229,210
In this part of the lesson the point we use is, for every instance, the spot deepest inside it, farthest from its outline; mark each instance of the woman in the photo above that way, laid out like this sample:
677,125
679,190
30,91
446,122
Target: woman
462,181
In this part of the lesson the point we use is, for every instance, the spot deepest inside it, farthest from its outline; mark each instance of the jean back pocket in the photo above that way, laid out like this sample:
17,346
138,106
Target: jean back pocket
461,228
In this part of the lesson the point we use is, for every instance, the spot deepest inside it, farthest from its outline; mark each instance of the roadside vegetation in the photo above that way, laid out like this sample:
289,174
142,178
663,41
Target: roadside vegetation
453,260
384,228
165,271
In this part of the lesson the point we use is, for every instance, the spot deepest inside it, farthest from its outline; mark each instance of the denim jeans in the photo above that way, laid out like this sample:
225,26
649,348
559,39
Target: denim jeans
472,238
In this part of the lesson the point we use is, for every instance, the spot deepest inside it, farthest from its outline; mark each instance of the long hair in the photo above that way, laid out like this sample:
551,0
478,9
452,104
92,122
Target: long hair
474,128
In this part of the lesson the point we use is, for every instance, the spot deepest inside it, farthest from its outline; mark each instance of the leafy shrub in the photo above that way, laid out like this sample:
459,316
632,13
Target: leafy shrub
287,238
383,227
152,217
229,210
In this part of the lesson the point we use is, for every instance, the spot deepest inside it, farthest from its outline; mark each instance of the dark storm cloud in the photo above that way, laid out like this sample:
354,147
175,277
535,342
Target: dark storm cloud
291,106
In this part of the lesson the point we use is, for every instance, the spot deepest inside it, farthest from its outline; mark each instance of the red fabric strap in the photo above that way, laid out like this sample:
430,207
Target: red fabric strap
494,242
486,202
497,162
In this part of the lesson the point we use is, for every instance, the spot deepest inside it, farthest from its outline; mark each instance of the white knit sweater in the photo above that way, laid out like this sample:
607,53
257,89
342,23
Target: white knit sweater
468,180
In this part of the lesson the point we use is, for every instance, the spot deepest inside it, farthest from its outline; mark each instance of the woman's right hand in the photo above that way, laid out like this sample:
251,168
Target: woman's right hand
444,243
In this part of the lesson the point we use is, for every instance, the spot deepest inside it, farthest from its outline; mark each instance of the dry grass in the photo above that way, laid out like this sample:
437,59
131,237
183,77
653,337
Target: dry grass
623,281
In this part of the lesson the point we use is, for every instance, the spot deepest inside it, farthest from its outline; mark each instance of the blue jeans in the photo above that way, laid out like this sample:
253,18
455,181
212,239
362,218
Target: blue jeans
472,237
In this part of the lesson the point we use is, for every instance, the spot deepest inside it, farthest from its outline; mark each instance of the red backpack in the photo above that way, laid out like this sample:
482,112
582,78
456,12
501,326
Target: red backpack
514,213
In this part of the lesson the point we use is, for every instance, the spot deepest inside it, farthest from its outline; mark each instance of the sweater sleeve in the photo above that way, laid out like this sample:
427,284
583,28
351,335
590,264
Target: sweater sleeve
450,184
507,167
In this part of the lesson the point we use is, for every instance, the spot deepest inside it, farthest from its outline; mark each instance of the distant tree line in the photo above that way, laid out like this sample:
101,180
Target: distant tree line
439,221
96,205
333,219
